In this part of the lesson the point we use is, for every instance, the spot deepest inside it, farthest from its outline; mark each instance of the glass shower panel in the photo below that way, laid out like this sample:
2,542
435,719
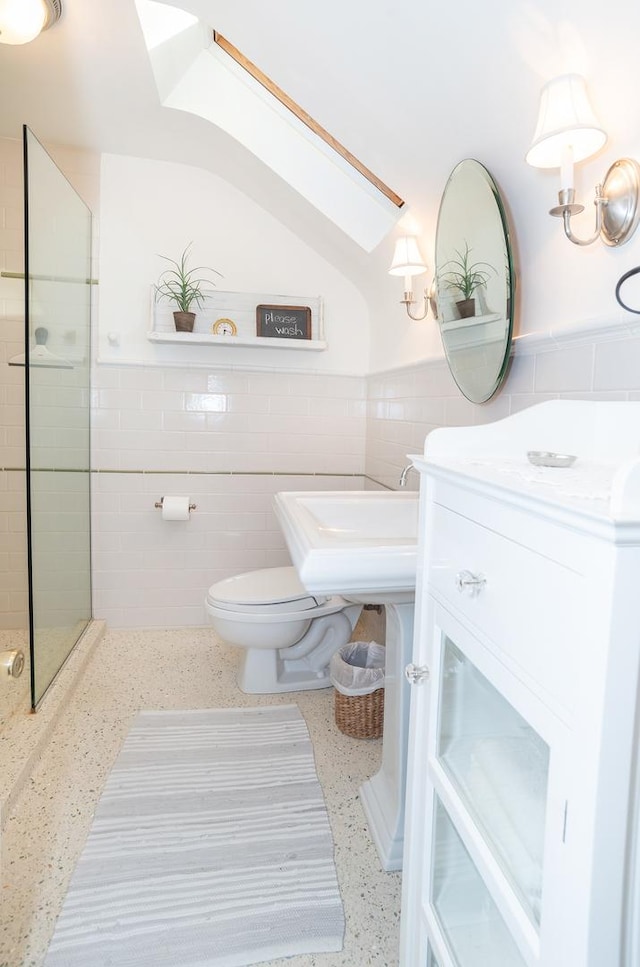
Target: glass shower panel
57,356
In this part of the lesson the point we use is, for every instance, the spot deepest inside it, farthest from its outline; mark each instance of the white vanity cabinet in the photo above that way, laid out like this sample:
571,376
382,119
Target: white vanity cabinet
524,699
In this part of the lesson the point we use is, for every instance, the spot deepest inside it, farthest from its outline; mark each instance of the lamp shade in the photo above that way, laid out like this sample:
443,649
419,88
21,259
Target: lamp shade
407,258
22,20
566,120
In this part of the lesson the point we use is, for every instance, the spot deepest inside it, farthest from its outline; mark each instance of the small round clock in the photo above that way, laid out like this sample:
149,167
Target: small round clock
224,327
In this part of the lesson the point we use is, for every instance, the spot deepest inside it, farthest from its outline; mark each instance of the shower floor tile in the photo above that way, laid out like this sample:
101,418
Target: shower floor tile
165,669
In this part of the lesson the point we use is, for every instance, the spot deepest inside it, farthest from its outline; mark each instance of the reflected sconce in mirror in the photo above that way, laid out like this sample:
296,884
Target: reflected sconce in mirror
22,20
408,261
569,132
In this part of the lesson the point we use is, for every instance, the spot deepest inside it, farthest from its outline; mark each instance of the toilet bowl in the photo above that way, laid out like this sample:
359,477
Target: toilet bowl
287,635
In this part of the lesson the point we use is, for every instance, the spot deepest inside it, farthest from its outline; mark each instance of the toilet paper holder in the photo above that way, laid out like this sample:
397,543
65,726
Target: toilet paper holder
158,504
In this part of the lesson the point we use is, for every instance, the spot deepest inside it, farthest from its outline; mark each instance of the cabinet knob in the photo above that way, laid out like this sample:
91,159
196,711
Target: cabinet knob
416,673
469,583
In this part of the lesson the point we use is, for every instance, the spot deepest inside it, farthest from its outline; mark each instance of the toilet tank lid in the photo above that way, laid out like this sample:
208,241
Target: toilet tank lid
271,585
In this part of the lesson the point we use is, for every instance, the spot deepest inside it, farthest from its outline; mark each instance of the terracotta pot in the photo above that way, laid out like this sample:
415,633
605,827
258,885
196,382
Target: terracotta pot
466,308
184,321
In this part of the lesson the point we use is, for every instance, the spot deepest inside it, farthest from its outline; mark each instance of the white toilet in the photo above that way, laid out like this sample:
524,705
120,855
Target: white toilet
287,634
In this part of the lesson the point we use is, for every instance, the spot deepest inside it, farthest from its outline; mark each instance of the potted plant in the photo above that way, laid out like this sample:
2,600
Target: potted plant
465,276
184,287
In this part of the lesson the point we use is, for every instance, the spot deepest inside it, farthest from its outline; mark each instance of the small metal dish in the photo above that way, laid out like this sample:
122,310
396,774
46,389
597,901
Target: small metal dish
545,458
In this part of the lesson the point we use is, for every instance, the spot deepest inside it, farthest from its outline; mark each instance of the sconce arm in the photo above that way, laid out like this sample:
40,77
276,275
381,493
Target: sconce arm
408,301
567,208
581,241
429,298
617,205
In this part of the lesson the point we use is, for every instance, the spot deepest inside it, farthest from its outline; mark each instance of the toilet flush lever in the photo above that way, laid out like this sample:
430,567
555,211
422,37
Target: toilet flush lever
415,674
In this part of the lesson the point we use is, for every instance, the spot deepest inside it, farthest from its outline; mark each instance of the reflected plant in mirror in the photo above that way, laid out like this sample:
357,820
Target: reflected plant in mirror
466,276
473,261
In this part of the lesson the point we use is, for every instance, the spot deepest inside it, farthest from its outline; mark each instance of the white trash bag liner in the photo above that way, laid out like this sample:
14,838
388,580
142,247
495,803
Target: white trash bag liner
358,668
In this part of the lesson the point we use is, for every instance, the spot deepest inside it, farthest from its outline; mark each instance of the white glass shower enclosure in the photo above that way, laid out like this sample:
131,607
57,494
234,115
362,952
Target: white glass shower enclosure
57,395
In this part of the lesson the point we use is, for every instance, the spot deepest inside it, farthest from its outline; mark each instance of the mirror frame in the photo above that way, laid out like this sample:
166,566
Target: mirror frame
490,388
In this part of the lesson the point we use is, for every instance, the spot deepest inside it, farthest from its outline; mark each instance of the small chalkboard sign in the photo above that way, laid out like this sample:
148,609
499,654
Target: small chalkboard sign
283,322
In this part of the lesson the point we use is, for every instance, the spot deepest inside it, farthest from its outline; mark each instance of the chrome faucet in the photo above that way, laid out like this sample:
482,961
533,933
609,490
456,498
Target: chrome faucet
403,476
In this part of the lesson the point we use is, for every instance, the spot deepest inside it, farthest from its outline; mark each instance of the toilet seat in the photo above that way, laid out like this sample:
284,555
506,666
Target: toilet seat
286,634
270,591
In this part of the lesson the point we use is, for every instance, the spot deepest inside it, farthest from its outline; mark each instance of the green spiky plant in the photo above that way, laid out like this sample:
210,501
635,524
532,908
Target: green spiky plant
465,275
182,285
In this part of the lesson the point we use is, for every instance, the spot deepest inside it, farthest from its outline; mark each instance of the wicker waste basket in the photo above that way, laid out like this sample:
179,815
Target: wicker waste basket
357,674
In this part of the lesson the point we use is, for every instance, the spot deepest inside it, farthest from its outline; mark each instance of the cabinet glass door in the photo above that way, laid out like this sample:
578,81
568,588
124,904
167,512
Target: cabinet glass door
499,766
468,917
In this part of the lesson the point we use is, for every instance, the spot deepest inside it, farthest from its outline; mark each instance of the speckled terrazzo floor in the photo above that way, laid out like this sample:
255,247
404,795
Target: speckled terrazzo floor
165,669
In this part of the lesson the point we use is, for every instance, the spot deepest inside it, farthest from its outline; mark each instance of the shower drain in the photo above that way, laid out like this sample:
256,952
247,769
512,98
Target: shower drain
13,661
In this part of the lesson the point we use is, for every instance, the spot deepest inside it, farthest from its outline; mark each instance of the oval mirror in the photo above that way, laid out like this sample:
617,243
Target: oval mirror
474,281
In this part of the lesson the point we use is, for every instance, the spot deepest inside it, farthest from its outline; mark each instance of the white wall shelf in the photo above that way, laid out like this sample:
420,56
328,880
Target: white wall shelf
208,339
240,308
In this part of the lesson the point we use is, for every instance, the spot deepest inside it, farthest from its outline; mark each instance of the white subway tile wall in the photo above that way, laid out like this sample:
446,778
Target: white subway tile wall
229,441
405,405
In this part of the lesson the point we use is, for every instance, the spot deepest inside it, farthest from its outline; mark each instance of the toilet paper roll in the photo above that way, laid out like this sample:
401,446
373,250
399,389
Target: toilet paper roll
175,508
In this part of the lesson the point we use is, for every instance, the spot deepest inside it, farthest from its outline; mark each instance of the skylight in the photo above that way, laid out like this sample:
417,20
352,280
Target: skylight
209,77
302,115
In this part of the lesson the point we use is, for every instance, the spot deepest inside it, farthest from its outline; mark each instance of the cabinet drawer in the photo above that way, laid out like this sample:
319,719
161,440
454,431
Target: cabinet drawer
533,609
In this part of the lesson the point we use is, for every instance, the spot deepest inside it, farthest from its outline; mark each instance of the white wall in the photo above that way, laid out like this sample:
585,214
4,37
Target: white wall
414,110
577,341
152,208
471,89
227,426
203,422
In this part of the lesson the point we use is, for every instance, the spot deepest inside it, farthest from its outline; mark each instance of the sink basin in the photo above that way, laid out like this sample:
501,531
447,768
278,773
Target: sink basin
360,544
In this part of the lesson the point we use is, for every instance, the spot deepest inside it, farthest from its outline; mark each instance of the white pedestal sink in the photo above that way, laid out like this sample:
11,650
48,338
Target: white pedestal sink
362,545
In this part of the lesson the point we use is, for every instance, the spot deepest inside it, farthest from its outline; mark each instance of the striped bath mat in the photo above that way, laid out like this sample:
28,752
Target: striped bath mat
210,847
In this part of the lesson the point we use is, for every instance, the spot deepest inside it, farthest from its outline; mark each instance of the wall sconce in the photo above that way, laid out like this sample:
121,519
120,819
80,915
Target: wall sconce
407,261
22,20
568,131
